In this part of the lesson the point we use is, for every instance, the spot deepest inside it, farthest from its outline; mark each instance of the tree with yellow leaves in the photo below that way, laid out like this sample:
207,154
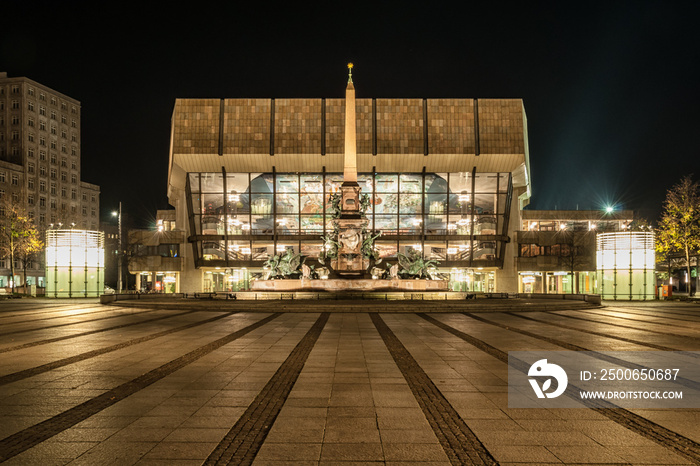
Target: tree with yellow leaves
19,238
678,231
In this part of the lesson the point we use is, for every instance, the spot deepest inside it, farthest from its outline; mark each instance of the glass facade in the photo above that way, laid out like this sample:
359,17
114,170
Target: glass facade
468,280
238,219
157,282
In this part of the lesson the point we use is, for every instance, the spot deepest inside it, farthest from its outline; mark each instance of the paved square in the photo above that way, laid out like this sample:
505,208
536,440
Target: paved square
323,382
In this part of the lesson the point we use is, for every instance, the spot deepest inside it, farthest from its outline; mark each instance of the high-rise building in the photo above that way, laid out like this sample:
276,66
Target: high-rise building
40,156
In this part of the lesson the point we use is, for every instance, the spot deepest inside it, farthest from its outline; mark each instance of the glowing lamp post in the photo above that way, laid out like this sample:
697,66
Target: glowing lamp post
119,249
74,263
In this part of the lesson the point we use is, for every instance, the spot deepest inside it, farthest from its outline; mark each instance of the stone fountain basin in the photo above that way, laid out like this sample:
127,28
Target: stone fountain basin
340,284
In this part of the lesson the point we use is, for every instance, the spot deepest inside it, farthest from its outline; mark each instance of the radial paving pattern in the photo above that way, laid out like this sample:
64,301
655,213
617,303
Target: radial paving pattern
241,383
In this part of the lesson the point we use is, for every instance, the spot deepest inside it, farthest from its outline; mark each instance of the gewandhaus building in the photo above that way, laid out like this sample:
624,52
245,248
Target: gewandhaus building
251,178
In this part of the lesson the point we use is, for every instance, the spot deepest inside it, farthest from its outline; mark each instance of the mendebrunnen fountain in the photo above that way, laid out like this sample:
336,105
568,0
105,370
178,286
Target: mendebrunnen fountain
349,261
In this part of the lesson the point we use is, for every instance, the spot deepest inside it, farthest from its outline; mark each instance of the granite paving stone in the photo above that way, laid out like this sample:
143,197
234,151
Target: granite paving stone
353,401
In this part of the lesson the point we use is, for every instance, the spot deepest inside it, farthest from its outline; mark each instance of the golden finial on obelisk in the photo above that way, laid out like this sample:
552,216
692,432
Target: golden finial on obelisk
350,65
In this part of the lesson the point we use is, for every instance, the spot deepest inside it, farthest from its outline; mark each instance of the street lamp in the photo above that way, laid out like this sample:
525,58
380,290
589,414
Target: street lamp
119,250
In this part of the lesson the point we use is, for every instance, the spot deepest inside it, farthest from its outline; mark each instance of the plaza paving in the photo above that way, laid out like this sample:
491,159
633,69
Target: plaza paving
326,382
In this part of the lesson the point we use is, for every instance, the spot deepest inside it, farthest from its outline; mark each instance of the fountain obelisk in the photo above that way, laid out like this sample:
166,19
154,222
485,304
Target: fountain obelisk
352,221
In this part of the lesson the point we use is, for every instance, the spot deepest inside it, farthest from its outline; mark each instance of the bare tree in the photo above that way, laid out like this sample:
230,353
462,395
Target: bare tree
575,248
678,231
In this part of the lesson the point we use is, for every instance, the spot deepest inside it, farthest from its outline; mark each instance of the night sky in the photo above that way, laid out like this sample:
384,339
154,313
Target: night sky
611,89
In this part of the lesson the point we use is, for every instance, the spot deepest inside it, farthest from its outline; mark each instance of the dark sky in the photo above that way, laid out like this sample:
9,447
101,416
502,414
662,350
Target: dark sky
611,89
